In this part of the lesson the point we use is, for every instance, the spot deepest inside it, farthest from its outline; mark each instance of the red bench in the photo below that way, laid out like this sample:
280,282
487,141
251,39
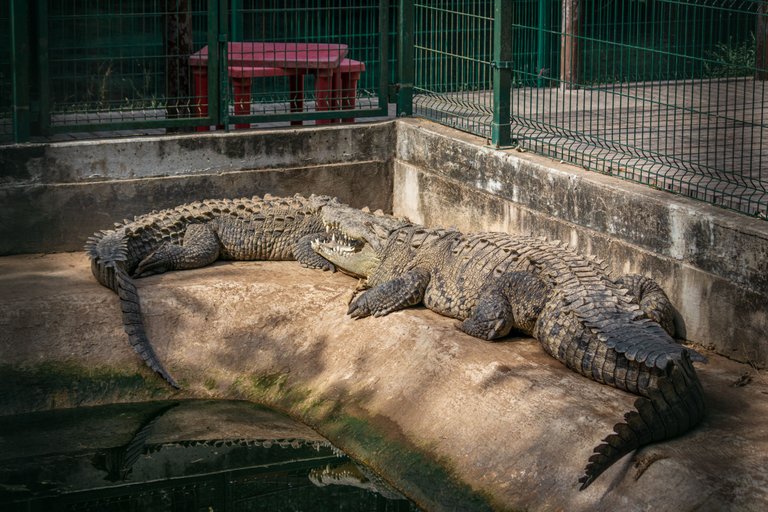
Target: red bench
336,78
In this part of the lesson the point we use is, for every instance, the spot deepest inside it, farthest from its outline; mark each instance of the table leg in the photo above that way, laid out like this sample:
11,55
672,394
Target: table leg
324,93
296,85
201,94
336,93
242,88
349,93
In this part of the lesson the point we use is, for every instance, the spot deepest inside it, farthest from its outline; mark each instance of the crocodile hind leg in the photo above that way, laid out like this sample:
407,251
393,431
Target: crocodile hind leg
200,247
510,301
651,298
399,293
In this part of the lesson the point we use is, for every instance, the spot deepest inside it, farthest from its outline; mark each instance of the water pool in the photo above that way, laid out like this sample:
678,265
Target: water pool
180,456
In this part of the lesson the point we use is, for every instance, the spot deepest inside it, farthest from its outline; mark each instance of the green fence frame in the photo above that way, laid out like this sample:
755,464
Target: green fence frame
669,93
70,66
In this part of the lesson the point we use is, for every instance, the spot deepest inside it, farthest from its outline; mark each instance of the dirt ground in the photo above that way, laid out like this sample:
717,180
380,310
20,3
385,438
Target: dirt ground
504,419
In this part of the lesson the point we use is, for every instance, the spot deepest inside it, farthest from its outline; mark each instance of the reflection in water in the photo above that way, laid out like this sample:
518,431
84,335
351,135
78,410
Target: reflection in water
118,462
196,456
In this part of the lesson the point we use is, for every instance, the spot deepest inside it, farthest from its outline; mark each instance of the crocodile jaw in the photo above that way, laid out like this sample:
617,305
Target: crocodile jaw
350,256
356,238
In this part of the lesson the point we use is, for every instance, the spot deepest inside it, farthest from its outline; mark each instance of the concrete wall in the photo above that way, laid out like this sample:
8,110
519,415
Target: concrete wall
713,263
53,196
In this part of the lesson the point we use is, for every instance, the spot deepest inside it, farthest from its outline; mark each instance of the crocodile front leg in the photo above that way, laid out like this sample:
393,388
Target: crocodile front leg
512,301
306,255
399,293
199,248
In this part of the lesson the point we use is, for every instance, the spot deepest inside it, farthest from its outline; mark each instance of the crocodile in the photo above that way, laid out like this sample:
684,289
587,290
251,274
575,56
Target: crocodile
197,234
609,330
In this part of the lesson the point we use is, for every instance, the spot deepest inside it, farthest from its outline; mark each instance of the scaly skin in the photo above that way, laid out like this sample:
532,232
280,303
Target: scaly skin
197,234
496,283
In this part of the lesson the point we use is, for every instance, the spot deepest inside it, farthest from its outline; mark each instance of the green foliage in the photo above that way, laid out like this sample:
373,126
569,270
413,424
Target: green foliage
732,58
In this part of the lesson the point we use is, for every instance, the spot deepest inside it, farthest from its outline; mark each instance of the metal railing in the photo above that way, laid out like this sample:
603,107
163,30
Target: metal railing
670,93
135,65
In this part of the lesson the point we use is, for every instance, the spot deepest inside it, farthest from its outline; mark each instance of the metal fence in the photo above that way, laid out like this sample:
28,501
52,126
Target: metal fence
182,64
670,93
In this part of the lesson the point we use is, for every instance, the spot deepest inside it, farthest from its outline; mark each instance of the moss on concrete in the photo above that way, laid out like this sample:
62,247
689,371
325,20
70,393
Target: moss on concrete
52,385
371,439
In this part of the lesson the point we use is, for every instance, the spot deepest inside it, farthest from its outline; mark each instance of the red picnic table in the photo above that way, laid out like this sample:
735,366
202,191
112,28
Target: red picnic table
335,76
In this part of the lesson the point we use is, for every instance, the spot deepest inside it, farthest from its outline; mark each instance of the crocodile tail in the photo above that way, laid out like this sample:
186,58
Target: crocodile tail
134,325
108,251
671,408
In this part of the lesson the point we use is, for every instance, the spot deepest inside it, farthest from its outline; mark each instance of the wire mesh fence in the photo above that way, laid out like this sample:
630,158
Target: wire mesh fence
120,64
453,54
6,85
158,65
342,49
670,93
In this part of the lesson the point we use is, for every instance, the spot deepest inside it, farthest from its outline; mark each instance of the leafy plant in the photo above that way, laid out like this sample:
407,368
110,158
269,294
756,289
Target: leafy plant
732,58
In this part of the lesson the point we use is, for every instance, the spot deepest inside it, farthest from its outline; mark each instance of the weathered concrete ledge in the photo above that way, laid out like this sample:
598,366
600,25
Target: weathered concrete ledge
407,393
713,263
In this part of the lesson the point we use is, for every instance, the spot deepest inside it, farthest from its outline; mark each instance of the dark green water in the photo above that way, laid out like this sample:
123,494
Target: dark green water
179,456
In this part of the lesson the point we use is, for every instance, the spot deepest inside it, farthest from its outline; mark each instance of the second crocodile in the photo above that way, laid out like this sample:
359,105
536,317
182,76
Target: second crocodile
607,330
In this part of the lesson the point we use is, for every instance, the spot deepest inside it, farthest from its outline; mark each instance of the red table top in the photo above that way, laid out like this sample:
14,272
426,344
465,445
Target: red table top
278,55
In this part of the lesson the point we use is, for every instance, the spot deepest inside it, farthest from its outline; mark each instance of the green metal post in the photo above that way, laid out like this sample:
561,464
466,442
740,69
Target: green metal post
405,60
383,95
502,73
542,46
44,75
236,20
214,110
19,18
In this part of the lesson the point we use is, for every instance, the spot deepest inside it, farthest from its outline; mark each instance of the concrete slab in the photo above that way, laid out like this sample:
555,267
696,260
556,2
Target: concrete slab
408,394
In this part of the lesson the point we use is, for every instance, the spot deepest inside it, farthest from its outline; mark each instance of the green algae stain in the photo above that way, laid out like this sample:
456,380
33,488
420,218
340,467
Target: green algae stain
53,385
424,478
373,440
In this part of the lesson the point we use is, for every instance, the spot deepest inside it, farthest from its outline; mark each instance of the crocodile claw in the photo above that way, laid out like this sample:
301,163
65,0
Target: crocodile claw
359,308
